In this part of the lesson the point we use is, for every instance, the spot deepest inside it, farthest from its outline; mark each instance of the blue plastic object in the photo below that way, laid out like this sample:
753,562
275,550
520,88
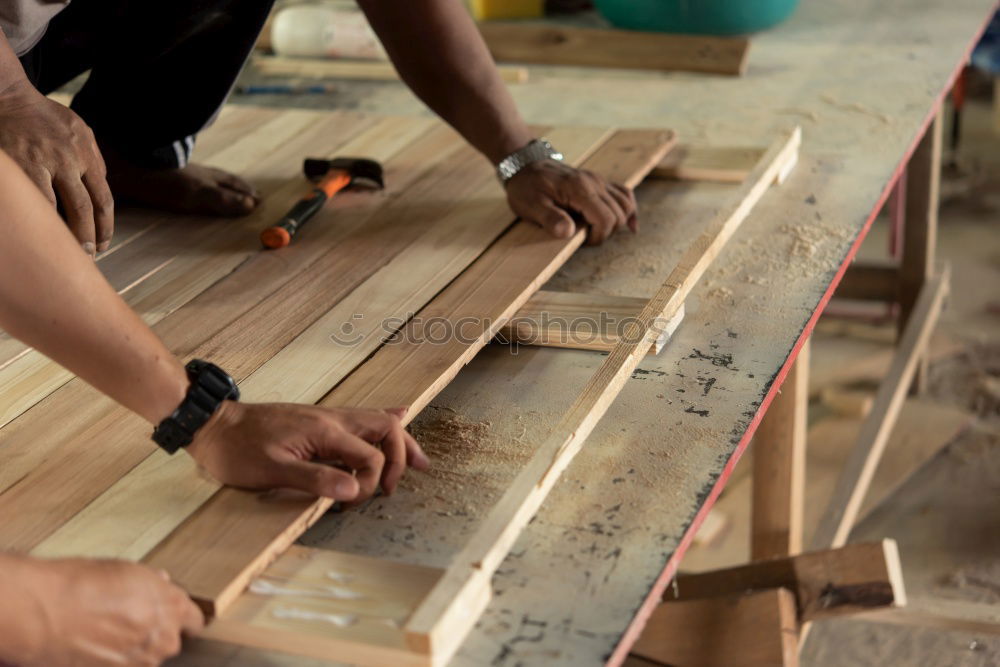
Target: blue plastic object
706,17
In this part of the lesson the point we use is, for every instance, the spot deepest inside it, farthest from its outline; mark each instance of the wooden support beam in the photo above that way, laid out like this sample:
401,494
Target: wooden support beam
854,578
569,320
321,68
923,182
750,630
859,469
722,164
589,47
870,281
440,619
779,467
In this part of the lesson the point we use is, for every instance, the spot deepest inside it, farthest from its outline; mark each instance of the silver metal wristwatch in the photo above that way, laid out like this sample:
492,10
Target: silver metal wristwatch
535,151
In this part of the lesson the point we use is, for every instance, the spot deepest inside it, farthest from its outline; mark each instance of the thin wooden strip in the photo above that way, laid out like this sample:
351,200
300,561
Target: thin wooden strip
708,163
43,458
854,480
31,376
753,630
161,478
344,69
560,45
214,576
438,620
826,584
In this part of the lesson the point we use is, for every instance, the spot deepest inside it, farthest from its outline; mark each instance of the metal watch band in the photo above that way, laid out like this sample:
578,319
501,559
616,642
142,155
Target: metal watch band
210,386
536,150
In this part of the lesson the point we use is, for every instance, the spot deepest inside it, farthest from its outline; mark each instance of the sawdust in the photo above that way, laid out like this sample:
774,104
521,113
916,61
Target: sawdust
857,108
471,462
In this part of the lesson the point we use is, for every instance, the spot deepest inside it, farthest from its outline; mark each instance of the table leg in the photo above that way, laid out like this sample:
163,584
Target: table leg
923,180
779,466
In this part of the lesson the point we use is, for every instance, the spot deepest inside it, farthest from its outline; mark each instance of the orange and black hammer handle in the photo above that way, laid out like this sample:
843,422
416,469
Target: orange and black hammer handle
281,234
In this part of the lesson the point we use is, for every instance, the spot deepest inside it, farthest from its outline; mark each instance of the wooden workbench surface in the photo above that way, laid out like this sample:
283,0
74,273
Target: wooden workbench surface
861,77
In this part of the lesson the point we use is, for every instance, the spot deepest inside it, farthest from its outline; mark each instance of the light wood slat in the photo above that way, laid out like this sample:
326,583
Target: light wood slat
439,620
826,584
557,45
569,320
216,576
163,479
854,480
755,630
779,467
353,69
388,591
45,455
724,164
32,376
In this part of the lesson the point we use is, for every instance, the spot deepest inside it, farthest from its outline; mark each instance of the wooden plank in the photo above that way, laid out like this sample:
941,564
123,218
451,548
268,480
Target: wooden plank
204,560
870,280
941,614
923,186
846,402
594,322
825,584
58,469
324,604
722,164
779,467
437,620
853,483
588,47
352,69
751,630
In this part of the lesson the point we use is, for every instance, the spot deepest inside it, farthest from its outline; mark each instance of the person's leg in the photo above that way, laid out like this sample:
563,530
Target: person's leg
161,69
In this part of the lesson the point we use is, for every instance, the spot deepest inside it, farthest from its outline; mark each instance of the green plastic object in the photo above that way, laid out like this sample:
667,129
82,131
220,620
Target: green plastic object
704,17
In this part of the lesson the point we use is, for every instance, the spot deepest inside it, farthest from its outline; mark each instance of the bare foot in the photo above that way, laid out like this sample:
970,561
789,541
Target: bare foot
192,189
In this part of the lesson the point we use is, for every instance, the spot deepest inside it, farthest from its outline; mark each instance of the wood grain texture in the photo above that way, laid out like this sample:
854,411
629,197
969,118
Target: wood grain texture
857,577
341,69
495,535
751,630
42,458
849,494
410,373
557,45
779,467
375,597
571,320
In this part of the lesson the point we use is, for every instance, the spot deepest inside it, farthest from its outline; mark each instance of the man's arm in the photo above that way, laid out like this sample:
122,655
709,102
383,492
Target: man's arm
442,57
53,297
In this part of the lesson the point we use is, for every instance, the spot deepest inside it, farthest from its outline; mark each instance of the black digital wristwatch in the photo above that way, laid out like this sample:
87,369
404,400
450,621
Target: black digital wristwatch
210,386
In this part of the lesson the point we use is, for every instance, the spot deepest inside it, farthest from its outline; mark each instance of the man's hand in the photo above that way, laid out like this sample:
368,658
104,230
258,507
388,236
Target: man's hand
545,193
59,153
83,613
263,446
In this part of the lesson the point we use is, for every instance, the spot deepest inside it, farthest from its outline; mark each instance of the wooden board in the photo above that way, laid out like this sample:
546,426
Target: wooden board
214,566
557,45
352,69
829,583
723,164
570,320
751,630
325,604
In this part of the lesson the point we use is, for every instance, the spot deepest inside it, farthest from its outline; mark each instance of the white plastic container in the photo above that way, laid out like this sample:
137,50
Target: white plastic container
324,31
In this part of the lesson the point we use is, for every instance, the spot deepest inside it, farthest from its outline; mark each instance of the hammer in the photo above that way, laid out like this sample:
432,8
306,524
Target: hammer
329,177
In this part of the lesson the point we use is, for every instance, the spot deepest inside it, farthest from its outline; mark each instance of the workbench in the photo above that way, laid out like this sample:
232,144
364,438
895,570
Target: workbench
864,79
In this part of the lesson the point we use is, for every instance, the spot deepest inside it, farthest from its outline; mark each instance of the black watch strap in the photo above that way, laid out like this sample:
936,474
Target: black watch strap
210,386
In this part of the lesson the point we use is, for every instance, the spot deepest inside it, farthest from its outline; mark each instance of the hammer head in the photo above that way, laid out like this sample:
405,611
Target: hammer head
364,173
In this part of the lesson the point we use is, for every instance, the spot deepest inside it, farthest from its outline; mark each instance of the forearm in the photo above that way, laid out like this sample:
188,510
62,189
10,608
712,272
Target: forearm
441,56
53,298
